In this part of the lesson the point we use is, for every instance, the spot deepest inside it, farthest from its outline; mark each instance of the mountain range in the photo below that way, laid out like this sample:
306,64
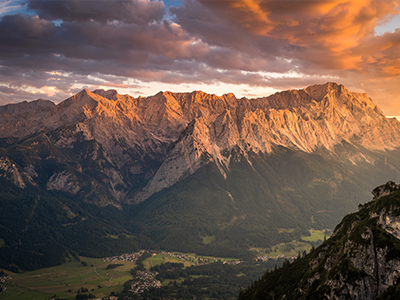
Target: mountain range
185,171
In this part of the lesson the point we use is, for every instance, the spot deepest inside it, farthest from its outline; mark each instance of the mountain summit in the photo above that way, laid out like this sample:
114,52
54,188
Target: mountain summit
178,169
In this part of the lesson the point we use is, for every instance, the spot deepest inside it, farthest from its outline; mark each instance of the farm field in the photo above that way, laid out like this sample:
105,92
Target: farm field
317,235
293,248
65,280
90,274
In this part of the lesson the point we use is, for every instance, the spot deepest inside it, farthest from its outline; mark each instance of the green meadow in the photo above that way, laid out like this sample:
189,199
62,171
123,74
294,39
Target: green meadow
317,235
92,274
293,248
65,280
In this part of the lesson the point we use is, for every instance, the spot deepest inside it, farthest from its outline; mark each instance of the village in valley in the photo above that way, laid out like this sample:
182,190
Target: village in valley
146,279
3,279
136,273
191,258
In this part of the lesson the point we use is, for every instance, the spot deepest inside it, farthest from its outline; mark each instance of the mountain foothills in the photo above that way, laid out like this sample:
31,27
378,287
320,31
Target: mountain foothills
360,261
102,173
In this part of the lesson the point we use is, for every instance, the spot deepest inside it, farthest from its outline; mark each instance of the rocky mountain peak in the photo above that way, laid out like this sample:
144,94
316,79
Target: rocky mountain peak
319,91
199,95
26,107
109,94
327,94
386,189
79,100
23,118
42,103
76,108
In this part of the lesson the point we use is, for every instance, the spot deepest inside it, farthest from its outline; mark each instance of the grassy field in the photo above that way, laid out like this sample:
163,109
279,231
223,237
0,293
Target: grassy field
164,258
211,257
316,235
293,248
89,273
65,280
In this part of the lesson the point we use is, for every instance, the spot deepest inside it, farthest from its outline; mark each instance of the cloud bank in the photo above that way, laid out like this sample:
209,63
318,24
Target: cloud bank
55,47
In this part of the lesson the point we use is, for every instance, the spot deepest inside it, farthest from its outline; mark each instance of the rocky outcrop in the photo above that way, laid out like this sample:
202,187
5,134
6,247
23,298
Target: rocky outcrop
9,170
385,189
64,181
361,260
366,263
24,119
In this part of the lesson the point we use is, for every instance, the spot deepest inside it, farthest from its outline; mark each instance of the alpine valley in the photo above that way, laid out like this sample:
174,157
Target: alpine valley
102,173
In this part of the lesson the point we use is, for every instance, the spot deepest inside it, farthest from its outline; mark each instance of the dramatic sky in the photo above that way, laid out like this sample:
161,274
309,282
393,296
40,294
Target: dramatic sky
53,49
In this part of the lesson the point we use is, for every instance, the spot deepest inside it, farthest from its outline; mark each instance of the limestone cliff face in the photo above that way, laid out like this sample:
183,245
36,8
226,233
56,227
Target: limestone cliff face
361,260
9,170
64,181
23,119
306,120
160,139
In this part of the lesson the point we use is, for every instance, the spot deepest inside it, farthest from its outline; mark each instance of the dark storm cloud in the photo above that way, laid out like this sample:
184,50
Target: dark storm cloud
213,27
22,35
136,12
32,46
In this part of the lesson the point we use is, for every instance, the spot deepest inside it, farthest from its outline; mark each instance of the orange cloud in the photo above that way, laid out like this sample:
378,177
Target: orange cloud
264,43
331,29
254,17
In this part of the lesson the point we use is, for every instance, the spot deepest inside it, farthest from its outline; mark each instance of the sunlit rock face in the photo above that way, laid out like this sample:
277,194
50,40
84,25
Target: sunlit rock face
143,145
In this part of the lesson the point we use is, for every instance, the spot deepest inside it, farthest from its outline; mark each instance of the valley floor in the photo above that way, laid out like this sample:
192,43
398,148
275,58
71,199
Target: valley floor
133,272
102,277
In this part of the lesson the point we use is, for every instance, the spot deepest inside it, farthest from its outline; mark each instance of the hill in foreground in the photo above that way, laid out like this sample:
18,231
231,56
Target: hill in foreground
361,260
